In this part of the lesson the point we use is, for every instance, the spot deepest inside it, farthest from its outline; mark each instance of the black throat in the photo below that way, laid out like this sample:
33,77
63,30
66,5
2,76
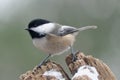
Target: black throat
35,35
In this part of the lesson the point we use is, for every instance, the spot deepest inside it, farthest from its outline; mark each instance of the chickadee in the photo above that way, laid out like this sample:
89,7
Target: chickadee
53,38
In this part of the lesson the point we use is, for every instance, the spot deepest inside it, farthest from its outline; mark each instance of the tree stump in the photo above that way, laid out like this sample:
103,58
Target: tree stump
94,67
83,68
48,71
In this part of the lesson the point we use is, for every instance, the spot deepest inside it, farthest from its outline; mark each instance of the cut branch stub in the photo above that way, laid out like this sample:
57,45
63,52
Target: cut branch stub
104,72
48,71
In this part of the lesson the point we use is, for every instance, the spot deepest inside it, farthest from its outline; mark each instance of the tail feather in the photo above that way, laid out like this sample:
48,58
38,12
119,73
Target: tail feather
87,27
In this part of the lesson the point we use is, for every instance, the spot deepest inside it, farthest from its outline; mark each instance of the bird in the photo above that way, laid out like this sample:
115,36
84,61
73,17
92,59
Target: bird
53,38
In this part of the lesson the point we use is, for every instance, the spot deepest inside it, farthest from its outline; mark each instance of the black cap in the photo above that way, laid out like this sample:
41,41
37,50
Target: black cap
37,22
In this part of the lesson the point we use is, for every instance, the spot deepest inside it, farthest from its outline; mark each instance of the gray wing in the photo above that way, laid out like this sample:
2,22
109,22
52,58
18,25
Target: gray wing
64,30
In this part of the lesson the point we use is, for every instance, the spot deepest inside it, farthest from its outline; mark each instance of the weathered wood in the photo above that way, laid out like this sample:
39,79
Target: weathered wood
85,67
103,70
39,73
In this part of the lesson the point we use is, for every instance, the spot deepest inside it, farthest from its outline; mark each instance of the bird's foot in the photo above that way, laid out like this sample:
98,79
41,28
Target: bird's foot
42,63
74,58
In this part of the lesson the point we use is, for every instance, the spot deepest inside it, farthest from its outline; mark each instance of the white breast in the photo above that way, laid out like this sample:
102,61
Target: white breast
50,48
40,43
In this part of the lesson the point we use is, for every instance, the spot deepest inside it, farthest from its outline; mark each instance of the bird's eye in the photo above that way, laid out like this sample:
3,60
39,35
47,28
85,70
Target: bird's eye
35,25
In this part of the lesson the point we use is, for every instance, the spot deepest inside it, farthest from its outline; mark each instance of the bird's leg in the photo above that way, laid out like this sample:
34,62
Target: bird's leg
73,53
44,60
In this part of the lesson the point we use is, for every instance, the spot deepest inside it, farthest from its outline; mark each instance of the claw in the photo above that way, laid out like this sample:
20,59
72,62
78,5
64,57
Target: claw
74,58
73,53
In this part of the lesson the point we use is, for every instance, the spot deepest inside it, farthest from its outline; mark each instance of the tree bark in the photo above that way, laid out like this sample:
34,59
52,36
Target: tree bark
104,72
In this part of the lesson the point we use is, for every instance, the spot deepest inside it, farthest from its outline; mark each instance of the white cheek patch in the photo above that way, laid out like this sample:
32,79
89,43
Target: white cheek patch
45,28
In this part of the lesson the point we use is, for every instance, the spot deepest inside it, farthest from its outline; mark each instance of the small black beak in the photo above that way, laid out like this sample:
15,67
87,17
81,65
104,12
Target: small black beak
26,29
